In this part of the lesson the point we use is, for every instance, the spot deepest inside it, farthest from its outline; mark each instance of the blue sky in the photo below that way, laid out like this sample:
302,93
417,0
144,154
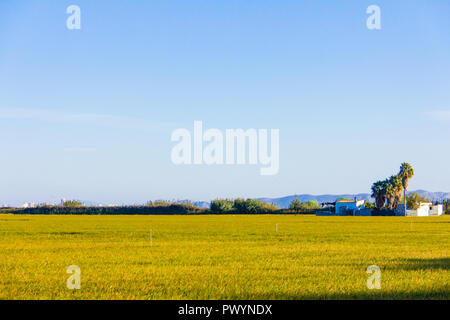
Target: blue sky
88,114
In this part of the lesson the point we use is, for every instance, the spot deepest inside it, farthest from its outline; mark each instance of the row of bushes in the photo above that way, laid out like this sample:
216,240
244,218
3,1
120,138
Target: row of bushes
252,206
237,206
249,206
173,208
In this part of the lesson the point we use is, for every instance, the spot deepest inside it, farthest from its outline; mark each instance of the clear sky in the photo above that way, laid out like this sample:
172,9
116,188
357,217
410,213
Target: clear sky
88,114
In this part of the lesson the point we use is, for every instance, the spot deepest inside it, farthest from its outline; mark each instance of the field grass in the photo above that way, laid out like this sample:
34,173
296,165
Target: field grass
224,257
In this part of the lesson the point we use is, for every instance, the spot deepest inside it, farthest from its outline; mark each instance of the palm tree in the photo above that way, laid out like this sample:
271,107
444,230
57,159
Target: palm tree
379,193
397,183
376,193
394,191
406,172
390,194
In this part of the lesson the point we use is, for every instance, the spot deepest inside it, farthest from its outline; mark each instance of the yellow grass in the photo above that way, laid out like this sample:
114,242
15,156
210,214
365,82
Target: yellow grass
223,257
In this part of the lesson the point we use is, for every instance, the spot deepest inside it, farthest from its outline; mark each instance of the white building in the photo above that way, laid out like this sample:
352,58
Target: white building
343,206
425,209
436,210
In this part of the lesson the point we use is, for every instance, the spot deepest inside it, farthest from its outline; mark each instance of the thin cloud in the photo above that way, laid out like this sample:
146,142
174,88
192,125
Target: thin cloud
441,115
104,120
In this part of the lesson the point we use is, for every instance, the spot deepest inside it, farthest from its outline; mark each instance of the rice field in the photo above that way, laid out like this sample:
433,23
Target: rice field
224,257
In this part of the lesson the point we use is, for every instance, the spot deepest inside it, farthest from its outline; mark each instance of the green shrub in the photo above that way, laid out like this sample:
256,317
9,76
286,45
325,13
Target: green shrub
72,204
252,206
370,205
413,200
295,205
298,206
220,206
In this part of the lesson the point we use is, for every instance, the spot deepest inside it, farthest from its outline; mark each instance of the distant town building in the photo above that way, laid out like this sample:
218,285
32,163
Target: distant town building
28,205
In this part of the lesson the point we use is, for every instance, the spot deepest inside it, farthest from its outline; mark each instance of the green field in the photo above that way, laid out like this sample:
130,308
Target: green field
224,257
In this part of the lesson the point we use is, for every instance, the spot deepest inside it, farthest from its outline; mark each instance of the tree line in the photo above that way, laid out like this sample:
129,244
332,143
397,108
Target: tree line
219,206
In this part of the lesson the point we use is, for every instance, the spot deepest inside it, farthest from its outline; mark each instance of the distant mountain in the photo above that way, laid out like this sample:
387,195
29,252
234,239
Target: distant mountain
433,196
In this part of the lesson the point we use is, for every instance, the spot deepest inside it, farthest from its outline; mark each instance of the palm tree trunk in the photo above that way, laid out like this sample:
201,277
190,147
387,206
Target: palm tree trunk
404,198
